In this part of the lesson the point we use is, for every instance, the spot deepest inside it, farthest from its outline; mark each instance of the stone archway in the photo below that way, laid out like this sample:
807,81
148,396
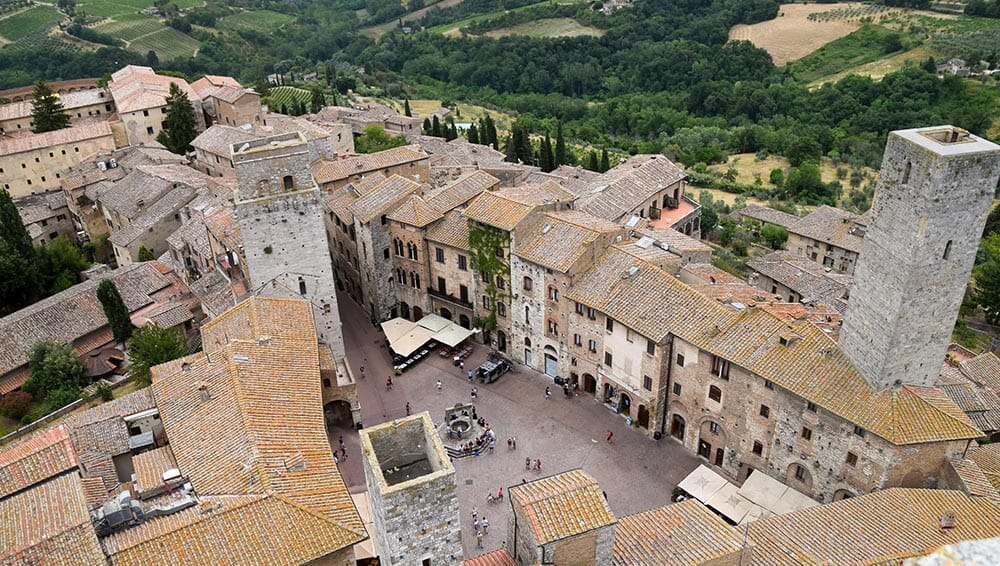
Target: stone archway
589,383
418,313
624,404
642,417
445,313
842,494
464,322
404,310
677,426
337,414
797,473
712,441
501,341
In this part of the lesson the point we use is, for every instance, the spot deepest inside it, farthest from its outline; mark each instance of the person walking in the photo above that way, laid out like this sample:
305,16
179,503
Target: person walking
388,383
547,393
439,386
513,442
470,376
538,465
486,526
341,442
407,408
510,443
476,525
610,434
475,515
479,539
362,372
493,444
527,463
500,494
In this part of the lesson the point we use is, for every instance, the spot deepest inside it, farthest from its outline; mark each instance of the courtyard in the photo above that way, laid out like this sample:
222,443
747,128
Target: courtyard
636,472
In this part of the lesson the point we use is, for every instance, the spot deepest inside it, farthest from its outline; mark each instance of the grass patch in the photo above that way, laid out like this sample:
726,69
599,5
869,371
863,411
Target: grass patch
168,43
261,20
867,44
28,22
548,27
454,27
882,67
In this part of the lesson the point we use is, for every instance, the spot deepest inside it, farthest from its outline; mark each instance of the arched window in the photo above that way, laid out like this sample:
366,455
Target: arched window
527,341
527,283
714,393
906,173
288,181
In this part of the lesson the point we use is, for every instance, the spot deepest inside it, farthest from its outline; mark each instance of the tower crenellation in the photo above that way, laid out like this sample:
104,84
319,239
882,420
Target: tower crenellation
934,192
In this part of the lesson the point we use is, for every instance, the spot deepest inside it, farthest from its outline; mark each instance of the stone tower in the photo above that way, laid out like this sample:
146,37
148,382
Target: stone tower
414,494
934,193
280,213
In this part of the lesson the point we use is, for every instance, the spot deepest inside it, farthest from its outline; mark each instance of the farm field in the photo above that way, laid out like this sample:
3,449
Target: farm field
548,27
286,95
454,29
259,20
793,35
882,67
380,30
424,107
168,43
747,165
24,23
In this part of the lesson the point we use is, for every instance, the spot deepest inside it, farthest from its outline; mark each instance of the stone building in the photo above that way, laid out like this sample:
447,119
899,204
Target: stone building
212,149
34,163
561,519
796,278
79,105
140,100
935,190
829,236
410,257
407,161
46,217
414,493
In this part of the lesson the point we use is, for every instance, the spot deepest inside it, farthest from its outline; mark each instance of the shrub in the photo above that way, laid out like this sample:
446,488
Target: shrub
105,392
16,404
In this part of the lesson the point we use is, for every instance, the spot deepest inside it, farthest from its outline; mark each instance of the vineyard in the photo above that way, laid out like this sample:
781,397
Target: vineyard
861,13
28,22
8,6
286,96
261,20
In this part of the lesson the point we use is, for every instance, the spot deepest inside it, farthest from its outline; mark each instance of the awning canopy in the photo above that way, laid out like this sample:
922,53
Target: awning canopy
760,496
365,548
406,337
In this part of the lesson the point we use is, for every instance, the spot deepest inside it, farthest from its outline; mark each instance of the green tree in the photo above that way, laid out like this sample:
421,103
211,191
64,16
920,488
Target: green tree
145,254
992,222
318,101
491,133
179,126
774,235
777,177
546,160
406,107
427,127
152,345
592,162
605,162
987,277
59,265
376,139
54,367
47,112
115,310
436,127
473,134
18,272
560,153
510,153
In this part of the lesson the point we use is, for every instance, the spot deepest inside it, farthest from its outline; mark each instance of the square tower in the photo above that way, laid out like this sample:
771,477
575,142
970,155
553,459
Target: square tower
934,194
279,209
414,494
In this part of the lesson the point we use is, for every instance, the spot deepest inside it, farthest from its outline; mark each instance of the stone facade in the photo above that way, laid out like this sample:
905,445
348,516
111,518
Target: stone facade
33,163
409,256
377,278
935,190
414,494
243,109
758,425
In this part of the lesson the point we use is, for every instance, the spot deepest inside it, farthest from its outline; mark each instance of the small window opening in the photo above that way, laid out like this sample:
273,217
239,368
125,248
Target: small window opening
947,250
906,172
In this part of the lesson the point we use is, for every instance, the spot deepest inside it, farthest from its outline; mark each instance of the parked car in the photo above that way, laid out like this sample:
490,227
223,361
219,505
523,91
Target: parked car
493,368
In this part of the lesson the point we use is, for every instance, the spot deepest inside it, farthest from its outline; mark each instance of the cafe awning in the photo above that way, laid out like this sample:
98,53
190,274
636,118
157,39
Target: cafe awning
453,334
760,496
406,337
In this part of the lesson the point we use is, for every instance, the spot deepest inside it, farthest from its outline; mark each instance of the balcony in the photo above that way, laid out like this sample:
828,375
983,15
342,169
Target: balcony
449,297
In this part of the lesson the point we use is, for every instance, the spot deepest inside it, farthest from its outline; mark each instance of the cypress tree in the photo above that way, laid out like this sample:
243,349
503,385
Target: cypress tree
560,155
491,133
473,134
115,310
592,163
284,109
179,125
406,107
317,102
47,111
546,159
605,164
510,154
19,285
451,132
436,127
334,94
427,127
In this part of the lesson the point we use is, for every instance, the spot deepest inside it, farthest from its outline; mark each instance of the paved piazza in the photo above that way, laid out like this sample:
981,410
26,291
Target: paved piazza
636,472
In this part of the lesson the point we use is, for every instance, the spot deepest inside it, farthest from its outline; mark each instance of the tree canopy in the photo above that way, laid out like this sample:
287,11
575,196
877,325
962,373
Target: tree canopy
179,126
987,278
115,310
59,265
54,367
47,112
151,345
18,272
376,139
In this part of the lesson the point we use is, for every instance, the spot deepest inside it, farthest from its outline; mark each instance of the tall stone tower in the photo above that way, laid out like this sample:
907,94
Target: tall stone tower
280,213
414,494
934,193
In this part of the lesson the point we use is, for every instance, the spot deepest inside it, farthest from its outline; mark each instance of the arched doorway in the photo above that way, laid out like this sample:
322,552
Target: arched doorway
609,391
418,313
463,321
625,404
842,494
677,426
589,383
445,313
501,341
551,362
338,414
643,417
712,442
404,310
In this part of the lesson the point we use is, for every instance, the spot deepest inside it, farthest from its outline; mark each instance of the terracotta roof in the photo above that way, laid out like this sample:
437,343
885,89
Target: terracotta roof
217,139
535,195
676,242
235,430
94,491
339,201
231,94
452,230
149,467
686,533
984,369
881,527
562,505
987,457
496,558
213,292
102,428
460,149
576,179
192,234
73,313
49,524
251,530
562,238
800,274
146,184
10,145
767,214
628,186
153,213
37,459
976,483
462,190
41,207
169,315
416,212
329,171
382,198
140,88
69,100
833,226
495,210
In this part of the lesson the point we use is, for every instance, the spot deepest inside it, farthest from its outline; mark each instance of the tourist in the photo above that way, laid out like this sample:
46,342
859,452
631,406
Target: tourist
510,443
439,385
479,539
470,376
513,442
610,434
486,526
489,498
388,383
500,494
475,515
538,465
492,445
548,393
407,408
527,463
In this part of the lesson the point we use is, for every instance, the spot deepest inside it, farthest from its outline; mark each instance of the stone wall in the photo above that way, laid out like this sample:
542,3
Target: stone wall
38,170
927,218
836,258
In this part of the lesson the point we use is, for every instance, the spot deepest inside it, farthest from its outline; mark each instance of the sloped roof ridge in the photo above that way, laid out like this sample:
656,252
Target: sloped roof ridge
288,500
915,392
